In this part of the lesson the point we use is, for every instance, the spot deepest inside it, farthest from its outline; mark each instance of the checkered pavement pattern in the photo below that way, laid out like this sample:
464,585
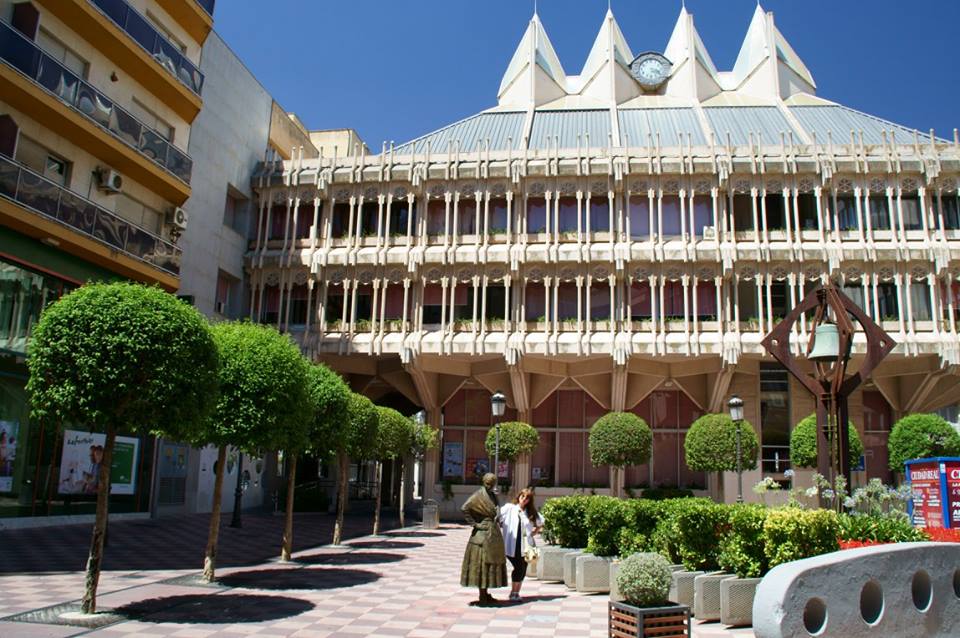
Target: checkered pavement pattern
404,583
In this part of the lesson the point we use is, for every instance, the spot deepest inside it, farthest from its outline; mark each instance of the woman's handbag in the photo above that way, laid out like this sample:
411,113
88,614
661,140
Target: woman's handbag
530,552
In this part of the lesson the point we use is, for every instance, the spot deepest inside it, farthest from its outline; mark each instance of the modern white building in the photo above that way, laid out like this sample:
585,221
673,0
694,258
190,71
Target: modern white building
619,239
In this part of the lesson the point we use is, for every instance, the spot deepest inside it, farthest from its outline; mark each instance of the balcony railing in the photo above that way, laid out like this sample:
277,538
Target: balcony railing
31,190
155,43
24,55
207,5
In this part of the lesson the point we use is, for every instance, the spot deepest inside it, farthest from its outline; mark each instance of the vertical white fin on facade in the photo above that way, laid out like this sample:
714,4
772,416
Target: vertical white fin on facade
767,65
694,73
534,75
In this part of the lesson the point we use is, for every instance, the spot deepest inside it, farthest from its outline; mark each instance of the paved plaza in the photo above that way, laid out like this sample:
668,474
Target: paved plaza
402,583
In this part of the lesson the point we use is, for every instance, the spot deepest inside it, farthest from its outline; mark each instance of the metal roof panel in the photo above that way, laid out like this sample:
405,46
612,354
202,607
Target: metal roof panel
639,127
553,128
503,129
767,122
839,121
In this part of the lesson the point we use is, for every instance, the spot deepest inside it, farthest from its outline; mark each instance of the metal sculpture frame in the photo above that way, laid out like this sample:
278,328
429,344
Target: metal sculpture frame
830,385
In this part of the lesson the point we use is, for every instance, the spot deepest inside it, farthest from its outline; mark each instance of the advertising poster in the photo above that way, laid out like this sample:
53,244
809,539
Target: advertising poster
952,470
81,458
925,492
8,453
478,467
453,459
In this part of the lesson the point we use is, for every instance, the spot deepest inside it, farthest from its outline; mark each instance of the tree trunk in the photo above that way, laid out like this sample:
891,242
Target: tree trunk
403,488
89,603
287,547
210,557
343,462
376,509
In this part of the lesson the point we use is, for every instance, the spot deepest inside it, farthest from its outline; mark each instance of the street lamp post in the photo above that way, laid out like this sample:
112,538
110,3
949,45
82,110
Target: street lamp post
238,494
736,415
498,403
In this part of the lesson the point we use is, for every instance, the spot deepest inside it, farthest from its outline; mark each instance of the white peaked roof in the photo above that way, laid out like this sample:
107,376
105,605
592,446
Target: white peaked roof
768,96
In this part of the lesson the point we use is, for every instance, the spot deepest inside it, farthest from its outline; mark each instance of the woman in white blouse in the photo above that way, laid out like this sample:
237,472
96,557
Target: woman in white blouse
520,521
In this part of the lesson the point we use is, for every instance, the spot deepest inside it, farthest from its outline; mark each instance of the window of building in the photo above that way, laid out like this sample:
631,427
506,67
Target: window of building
912,216
8,135
846,212
496,300
368,219
638,210
393,303
139,213
807,211
23,295
640,301
742,212
463,302
920,301
498,216
671,216
854,290
364,307
62,53
158,25
536,215
341,220
673,300
779,299
305,218
888,307
270,312
278,221
432,304
879,212
333,310
599,214
775,213
567,215
702,214
706,301
467,217
747,300
774,418
226,301
436,217
600,301
236,210
44,161
567,301
151,119
951,210
400,218
535,302
298,304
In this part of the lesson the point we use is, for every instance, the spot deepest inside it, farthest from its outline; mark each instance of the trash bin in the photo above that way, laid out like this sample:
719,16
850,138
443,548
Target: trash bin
431,514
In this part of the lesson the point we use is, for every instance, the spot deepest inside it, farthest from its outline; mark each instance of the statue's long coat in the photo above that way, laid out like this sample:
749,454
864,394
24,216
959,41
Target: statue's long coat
484,561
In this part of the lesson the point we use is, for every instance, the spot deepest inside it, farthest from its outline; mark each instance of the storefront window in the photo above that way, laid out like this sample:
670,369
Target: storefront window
774,419
23,294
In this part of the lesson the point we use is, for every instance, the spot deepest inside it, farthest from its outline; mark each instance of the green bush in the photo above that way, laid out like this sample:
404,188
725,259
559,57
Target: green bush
698,526
711,444
663,493
792,533
803,443
565,521
664,539
644,579
919,436
886,528
620,439
642,517
741,545
606,517
516,438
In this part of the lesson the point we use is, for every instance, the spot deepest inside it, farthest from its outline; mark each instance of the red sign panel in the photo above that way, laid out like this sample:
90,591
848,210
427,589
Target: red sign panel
952,470
925,487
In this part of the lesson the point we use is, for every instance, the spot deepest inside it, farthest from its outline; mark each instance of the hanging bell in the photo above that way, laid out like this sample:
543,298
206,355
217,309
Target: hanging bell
826,343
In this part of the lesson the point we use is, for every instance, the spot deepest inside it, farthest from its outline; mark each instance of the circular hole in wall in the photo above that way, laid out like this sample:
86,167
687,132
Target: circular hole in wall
815,616
922,591
871,602
956,583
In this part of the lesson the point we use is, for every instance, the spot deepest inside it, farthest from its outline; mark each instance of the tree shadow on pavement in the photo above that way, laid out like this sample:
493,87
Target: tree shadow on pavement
350,558
217,609
385,545
413,534
305,578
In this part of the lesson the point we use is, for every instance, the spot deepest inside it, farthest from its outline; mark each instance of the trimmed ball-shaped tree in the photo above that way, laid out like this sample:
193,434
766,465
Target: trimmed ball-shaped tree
264,404
516,438
394,441
644,579
121,357
619,439
919,436
356,439
803,443
711,444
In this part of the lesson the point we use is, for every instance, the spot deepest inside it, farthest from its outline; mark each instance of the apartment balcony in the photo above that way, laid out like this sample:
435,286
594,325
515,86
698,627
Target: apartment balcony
195,16
40,208
41,87
131,42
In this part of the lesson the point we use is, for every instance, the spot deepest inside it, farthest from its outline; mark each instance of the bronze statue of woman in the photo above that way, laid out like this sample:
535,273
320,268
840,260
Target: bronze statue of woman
484,561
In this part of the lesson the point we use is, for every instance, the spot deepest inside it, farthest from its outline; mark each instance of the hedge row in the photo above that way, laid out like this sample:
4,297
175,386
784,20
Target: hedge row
702,535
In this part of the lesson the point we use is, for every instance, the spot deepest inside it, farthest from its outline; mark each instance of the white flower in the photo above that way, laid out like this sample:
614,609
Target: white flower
829,494
849,503
811,492
788,474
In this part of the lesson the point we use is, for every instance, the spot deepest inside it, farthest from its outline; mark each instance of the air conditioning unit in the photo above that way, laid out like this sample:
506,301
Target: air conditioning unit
177,217
709,232
109,181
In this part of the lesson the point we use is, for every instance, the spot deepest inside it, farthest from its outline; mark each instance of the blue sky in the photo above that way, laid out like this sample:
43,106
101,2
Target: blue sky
396,69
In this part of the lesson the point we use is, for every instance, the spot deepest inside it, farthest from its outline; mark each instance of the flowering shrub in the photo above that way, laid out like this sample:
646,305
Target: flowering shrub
644,579
792,533
882,528
940,535
855,544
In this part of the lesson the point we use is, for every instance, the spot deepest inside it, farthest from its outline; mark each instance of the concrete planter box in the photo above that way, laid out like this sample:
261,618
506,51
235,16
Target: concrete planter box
570,568
550,563
681,591
736,600
615,596
706,595
593,573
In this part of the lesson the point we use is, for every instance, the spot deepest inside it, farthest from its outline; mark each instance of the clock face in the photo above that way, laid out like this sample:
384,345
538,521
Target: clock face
650,70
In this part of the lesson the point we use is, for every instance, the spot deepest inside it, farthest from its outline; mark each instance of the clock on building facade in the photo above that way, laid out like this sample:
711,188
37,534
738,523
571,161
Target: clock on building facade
651,70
